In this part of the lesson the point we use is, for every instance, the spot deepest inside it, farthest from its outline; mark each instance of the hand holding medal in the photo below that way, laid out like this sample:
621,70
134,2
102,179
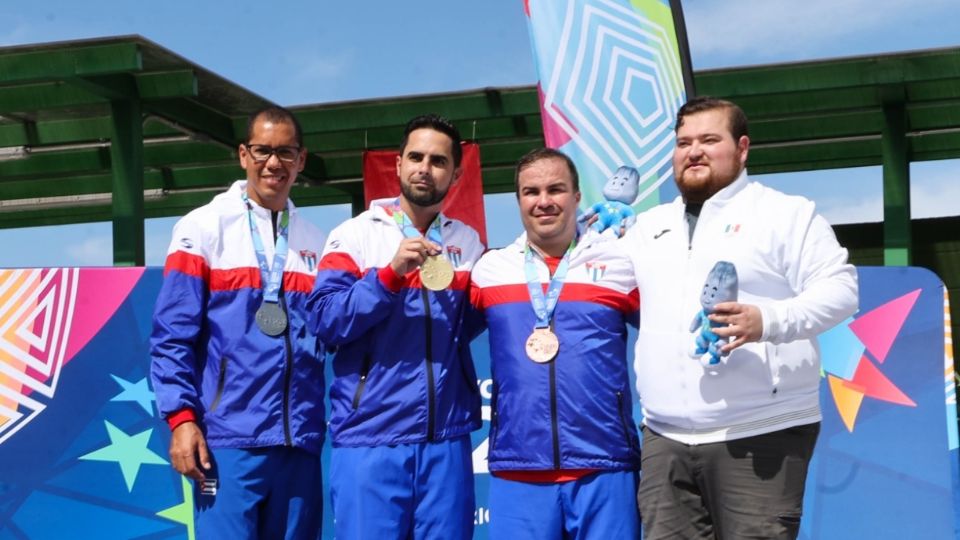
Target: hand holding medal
436,272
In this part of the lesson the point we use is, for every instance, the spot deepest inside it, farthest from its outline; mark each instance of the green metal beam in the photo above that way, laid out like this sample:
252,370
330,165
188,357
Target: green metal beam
483,130
196,118
126,155
56,163
187,153
90,128
896,188
456,107
167,84
65,131
933,146
818,76
812,127
44,96
115,86
68,62
154,85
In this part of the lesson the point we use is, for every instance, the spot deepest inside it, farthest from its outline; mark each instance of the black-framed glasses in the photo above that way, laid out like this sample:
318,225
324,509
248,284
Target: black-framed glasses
262,152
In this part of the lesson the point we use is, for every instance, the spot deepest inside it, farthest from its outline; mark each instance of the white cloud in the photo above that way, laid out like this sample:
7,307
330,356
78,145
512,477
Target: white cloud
840,210
94,250
775,29
935,189
19,33
324,73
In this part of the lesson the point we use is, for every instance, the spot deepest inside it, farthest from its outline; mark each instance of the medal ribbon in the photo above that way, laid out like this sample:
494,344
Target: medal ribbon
434,232
272,278
544,306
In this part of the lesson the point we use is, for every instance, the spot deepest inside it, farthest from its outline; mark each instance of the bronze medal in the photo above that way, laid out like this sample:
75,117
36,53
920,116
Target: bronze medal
542,345
436,273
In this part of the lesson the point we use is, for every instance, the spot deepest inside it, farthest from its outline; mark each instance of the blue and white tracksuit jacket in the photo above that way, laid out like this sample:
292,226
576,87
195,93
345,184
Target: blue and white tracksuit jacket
402,371
574,412
247,389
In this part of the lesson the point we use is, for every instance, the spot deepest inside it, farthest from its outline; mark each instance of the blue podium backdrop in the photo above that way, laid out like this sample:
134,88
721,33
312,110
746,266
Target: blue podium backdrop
83,453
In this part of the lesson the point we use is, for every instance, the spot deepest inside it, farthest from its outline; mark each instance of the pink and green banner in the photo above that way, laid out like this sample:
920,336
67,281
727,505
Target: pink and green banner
612,75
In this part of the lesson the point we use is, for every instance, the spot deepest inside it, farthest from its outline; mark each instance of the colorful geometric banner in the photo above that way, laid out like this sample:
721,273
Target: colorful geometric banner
612,75
885,465
84,454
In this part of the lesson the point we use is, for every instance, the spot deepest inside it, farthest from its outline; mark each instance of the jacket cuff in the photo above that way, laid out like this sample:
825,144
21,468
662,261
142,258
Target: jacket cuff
770,323
390,279
176,418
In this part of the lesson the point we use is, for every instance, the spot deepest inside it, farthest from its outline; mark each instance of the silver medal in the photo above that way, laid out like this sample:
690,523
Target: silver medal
271,318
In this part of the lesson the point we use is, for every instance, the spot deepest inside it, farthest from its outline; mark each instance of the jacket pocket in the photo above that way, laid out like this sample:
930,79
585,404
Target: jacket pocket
221,382
467,368
494,421
621,412
364,372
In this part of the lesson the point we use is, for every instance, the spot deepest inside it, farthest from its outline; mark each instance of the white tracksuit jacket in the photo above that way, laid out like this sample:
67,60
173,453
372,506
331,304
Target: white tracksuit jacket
789,265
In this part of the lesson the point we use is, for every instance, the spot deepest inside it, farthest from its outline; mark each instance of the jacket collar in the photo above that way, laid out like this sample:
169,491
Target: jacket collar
236,193
588,237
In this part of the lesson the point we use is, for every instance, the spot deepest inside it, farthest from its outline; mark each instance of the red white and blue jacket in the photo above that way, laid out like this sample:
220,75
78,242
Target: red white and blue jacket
210,359
402,371
574,412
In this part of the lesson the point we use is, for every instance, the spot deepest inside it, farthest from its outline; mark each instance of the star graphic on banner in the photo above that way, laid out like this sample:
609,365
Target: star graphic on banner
138,392
183,512
129,451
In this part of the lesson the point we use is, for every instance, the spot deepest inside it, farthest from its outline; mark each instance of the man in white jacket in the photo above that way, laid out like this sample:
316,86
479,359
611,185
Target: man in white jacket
726,446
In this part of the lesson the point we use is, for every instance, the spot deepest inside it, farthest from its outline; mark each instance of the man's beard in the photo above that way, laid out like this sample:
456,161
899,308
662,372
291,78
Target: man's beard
699,192
422,198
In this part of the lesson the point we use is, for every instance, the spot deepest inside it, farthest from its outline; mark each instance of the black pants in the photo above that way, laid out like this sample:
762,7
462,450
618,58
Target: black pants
744,488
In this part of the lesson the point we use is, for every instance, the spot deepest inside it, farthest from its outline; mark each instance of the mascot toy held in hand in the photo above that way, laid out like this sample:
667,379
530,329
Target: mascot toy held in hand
615,213
721,286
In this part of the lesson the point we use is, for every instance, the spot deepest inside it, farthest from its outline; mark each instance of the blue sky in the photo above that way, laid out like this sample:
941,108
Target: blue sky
318,52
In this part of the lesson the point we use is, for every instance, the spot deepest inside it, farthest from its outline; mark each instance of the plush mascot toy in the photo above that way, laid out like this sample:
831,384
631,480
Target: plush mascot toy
721,286
615,213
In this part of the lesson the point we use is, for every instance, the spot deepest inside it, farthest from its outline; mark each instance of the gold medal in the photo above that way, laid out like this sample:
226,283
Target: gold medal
436,273
542,345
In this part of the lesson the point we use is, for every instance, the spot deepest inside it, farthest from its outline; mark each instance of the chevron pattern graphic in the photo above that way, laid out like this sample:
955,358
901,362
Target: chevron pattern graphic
36,312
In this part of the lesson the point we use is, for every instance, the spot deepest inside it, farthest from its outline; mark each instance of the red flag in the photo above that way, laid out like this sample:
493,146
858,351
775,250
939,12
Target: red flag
463,202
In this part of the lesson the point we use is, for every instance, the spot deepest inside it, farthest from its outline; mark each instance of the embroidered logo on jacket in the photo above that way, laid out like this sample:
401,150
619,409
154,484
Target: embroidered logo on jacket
596,269
186,243
309,258
454,254
731,228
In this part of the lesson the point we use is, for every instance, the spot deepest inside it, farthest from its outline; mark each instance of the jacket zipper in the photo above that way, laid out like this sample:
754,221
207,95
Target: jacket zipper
287,373
221,382
364,371
623,422
553,415
428,360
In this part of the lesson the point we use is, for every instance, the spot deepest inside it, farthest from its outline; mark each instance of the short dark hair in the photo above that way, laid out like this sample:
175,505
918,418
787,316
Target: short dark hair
436,123
735,115
540,154
276,114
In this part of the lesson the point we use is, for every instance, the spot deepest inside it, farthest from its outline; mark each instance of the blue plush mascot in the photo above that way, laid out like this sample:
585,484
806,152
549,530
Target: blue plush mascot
615,213
721,286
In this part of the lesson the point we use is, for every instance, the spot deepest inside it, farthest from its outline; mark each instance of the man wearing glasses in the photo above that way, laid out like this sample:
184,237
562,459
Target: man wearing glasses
237,376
